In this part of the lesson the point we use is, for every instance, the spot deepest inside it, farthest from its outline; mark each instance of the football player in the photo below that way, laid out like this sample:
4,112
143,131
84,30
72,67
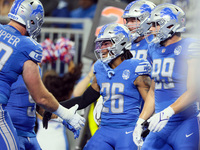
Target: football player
173,90
19,56
22,104
135,18
122,82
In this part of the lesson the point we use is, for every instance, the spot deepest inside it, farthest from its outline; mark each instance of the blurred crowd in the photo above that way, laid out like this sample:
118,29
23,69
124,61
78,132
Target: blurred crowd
75,8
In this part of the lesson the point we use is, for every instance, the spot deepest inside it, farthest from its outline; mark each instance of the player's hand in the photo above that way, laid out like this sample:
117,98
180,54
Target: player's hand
74,119
76,132
159,120
46,118
137,138
97,110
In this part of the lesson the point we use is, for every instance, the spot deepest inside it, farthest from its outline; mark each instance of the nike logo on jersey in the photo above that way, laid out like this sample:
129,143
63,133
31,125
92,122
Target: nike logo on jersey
187,135
128,132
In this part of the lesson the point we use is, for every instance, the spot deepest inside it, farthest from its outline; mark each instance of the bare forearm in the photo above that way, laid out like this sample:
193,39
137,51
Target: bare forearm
37,89
148,109
143,84
81,86
185,100
48,102
149,105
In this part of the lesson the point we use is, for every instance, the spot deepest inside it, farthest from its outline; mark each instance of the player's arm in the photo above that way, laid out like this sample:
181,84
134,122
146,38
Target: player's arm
36,87
190,95
45,99
143,84
147,111
149,104
158,121
83,84
91,94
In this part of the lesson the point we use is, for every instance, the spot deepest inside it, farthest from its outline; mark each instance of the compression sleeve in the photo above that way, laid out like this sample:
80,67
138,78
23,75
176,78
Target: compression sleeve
88,97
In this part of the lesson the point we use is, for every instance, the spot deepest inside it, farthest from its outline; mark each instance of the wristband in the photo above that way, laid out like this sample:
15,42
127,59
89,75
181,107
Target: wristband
169,111
140,121
61,111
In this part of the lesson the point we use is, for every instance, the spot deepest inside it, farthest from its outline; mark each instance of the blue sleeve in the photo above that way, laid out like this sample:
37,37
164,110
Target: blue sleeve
143,68
32,50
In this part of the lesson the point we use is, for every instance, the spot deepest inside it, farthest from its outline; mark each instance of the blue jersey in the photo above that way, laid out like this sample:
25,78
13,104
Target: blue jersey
169,71
22,109
15,49
139,49
121,99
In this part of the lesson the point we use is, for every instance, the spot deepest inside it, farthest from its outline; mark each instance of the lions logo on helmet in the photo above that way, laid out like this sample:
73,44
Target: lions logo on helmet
119,37
170,18
29,13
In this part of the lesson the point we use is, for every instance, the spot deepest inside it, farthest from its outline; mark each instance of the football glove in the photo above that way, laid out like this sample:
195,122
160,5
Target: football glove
145,129
158,121
137,138
97,110
46,118
70,116
76,132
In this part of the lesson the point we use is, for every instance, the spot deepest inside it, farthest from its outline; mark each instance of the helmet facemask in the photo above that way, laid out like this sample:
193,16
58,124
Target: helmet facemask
134,27
34,27
170,20
119,39
111,51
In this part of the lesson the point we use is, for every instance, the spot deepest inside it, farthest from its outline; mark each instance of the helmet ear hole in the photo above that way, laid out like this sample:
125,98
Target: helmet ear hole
32,22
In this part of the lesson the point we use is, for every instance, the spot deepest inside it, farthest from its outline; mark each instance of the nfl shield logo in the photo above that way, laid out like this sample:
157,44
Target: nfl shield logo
126,74
177,50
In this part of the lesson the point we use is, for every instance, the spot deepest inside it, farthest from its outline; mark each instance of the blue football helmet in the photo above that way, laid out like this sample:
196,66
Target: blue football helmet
170,18
139,10
29,13
120,37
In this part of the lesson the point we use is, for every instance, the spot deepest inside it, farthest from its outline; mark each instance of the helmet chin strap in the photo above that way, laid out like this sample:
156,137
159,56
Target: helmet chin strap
109,71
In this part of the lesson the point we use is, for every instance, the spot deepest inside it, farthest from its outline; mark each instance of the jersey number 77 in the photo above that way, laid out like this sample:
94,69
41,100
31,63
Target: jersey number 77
5,52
